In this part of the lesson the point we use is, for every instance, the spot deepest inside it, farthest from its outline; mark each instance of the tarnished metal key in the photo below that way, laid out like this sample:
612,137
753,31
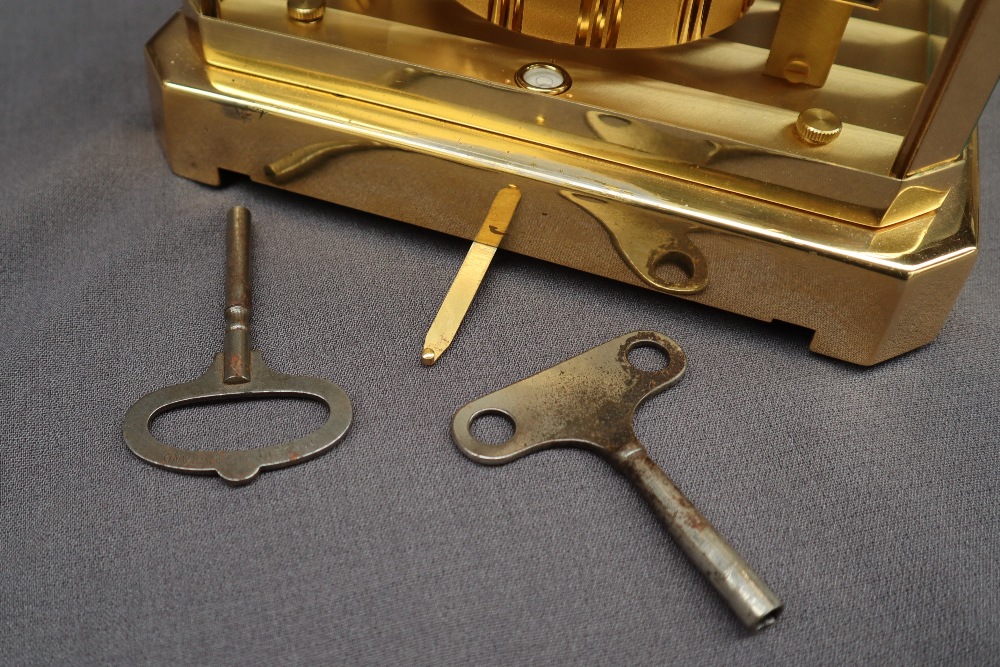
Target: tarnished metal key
237,372
590,401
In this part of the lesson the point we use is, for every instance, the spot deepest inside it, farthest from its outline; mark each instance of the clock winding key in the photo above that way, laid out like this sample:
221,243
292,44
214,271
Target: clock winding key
237,372
590,401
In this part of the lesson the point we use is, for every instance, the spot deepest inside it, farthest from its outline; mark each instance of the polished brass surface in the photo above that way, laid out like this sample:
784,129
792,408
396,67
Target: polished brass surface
470,275
590,402
650,243
957,92
612,24
680,169
303,160
759,156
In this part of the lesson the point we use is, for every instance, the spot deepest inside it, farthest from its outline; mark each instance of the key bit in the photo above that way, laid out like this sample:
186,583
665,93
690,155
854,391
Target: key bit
590,401
237,372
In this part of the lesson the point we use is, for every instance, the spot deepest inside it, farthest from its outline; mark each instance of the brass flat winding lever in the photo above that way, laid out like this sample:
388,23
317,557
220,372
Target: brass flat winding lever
590,401
237,372
470,275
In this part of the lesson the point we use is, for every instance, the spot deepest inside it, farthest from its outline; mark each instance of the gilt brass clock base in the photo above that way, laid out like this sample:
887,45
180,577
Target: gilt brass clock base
868,293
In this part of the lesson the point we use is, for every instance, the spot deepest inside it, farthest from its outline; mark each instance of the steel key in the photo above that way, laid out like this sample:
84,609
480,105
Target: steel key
237,372
590,401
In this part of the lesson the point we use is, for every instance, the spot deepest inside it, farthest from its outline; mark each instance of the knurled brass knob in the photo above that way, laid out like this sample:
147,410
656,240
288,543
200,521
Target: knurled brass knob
306,11
818,126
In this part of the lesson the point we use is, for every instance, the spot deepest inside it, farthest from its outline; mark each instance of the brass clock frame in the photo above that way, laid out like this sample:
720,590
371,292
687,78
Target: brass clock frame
677,169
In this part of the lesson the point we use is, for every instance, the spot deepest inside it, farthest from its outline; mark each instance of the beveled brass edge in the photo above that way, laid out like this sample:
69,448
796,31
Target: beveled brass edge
734,212
912,293
857,190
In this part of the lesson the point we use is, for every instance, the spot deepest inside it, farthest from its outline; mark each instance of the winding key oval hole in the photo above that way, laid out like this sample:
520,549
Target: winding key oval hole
239,424
492,427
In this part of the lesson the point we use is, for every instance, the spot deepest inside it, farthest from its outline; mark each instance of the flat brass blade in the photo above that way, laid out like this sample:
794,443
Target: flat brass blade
470,275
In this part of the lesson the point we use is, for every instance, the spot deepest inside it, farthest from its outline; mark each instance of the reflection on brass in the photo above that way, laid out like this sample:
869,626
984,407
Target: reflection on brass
304,160
958,90
636,136
470,275
649,243
865,239
613,23
506,13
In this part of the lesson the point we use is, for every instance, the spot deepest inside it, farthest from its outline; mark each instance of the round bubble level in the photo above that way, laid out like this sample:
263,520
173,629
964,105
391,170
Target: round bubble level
544,78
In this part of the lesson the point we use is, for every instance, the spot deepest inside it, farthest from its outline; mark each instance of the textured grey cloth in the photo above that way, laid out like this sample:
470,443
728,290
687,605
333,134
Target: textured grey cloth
866,498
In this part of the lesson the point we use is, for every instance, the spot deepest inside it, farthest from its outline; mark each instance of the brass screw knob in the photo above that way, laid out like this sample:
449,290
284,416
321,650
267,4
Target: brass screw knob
306,11
818,126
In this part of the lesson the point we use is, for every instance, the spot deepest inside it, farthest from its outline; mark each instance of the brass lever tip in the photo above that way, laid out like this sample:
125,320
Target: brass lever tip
429,357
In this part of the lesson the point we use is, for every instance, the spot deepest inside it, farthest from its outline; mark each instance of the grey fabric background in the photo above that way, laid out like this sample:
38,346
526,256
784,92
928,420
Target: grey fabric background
867,498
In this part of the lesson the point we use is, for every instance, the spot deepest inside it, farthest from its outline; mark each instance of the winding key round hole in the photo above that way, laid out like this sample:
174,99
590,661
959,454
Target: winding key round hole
492,427
648,357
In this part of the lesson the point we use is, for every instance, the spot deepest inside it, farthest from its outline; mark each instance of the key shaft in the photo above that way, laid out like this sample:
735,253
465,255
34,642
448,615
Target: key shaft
753,602
239,308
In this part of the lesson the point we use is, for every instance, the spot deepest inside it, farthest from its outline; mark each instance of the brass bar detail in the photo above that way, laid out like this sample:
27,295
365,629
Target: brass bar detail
807,40
517,18
499,12
958,91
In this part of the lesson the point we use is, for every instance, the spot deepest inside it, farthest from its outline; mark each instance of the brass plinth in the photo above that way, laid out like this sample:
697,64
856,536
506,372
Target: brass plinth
407,122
